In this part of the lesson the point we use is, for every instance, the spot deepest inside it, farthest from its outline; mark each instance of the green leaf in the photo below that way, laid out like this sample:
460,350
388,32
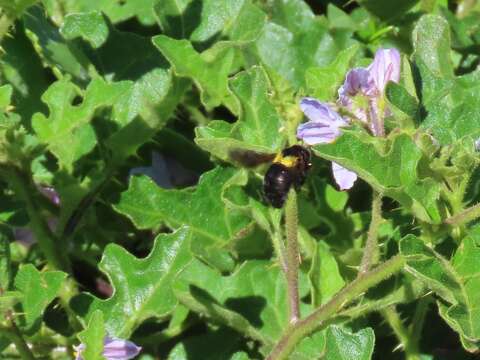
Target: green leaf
452,105
5,96
294,40
339,19
323,82
344,345
117,11
383,9
215,222
90,26
67,131
8,300
203,21
226,341
155,92
38,290
15,8
93,337
252,300
257,129
399,97
389,166
23,70
431,40
54,50
455,281
178,18
210,74
141,286
324,275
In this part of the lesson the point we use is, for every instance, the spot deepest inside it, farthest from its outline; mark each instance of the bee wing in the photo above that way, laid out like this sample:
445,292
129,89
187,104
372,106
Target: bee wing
249,158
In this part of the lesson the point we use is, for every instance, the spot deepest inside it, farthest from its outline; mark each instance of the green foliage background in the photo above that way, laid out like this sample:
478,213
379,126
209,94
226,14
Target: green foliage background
183,262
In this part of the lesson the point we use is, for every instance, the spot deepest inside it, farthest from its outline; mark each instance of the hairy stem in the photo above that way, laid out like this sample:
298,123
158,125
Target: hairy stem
393,319
318,319
465,216
50,246
418,320
291,230
370,252
279,249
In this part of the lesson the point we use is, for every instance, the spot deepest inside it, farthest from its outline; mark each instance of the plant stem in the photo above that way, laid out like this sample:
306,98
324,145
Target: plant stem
418,320
279,249
391,316
465,216
14,335
291,230
50,246
318,319
370,252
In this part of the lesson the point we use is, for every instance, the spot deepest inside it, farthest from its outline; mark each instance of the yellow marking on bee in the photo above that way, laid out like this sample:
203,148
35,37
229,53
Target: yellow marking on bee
288,161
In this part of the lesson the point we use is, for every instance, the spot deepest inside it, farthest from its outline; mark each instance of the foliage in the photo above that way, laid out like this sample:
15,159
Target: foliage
134,137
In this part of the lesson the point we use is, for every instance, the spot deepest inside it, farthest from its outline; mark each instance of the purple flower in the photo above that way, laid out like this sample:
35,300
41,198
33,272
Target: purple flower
324,125
363,90
113,349
385,68
343,177
362,94
323,128
50,193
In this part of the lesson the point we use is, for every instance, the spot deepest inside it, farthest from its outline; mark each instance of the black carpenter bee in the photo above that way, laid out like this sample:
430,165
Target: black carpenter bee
289,168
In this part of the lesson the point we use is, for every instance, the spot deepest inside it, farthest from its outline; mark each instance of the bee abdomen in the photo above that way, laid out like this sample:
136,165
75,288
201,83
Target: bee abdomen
277,183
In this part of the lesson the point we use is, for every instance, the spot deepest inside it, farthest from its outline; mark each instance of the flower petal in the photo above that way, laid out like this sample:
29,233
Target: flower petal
343,177
385,67
119,349
357,80
313,133
317,111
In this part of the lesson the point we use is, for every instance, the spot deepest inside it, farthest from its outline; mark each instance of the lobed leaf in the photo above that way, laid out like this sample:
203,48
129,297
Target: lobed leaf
389,167
38,289
214,221
210,75
67,131
455,281
142,287
258,127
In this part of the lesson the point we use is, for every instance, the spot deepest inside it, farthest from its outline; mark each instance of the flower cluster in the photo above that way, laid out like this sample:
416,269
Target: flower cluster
362,96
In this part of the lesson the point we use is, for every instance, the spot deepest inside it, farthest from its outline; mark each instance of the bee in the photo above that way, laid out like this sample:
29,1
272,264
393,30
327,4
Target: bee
289,168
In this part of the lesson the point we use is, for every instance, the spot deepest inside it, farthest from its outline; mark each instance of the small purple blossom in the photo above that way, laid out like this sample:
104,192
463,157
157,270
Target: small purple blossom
384,68
343,177
324,125
362,94
363,90
114,349
50,193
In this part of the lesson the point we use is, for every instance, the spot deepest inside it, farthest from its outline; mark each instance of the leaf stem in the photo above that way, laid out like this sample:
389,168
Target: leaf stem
291,230
318,319
403,335
370,252
50,246
418,320
465,216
